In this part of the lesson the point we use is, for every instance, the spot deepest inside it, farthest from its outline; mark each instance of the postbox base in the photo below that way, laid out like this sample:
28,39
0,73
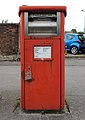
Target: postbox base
45,111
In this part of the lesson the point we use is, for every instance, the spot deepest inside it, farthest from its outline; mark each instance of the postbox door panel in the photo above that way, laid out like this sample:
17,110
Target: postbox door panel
42,74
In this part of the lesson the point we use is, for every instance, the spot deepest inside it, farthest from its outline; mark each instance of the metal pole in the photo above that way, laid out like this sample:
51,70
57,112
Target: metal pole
84,20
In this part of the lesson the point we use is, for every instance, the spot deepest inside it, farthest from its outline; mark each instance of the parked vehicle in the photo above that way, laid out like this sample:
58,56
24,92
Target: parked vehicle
82,47
74,43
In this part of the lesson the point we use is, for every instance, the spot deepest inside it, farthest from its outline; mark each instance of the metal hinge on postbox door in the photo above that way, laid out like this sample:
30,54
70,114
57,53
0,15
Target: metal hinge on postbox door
28,76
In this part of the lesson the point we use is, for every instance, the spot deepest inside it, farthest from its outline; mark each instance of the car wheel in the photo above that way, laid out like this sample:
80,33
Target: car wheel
74,50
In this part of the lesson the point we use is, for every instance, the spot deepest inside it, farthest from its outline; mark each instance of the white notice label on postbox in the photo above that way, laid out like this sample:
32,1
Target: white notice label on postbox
42,52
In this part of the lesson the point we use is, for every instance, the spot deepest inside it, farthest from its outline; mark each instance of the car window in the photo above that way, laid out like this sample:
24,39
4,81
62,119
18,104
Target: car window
81,37
69,37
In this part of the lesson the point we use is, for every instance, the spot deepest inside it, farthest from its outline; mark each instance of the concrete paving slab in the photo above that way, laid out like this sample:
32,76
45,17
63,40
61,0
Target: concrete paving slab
7,105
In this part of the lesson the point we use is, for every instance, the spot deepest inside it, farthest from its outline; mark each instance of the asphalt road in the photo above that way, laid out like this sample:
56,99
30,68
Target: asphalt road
75,87
75,76
75,92
9,77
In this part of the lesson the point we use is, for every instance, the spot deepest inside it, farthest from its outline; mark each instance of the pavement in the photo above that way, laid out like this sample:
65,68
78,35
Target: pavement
74,56
8,58
17,57
75,87
10,92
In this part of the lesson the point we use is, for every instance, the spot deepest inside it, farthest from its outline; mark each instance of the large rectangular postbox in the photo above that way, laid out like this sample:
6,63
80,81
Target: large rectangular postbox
42,57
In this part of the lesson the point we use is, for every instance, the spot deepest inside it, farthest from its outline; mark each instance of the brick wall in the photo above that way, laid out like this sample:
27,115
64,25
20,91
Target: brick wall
9,38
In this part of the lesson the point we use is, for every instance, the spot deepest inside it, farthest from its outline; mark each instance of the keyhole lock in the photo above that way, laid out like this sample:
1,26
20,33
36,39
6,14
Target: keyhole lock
28,76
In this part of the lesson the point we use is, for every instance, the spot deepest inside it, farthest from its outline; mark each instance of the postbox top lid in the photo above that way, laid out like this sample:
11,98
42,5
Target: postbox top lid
26,8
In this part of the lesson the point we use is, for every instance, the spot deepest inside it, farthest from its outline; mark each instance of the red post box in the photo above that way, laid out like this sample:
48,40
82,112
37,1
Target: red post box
42,57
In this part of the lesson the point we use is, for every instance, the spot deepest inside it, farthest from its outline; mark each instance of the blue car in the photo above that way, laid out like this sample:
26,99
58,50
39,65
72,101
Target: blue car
74,43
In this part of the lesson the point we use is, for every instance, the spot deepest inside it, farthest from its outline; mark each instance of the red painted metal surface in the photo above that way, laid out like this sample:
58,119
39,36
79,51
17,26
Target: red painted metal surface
44,89
43,92
45,8
22,51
